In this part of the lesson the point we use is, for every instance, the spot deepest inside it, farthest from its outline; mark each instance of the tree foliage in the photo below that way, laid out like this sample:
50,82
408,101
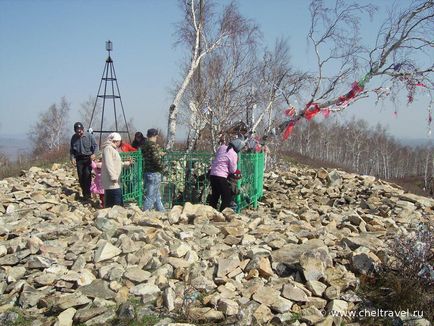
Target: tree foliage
357,147
203,32
231,77
240,80
395,61
51,131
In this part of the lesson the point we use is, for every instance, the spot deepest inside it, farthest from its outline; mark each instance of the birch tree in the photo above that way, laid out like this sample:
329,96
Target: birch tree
394,60
216,96
50,132
365,150
237,86
278,81
226,82
203,33
86,111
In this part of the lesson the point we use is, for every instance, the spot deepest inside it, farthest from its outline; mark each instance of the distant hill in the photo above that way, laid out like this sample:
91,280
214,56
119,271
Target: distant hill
14,144
415,142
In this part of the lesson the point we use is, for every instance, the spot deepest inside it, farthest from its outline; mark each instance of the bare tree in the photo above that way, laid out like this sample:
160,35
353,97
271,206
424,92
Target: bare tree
393,60
216,96
86,111
4,160
203,36
428,175
277,81
361,149
49,133
237,86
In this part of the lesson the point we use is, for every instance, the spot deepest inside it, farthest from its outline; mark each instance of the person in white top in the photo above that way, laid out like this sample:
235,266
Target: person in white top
111,170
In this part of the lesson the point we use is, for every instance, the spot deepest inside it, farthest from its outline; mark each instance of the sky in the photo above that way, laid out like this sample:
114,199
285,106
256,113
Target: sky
51,49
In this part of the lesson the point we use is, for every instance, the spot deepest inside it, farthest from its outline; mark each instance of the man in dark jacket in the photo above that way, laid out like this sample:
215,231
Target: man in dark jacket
82,151
152,169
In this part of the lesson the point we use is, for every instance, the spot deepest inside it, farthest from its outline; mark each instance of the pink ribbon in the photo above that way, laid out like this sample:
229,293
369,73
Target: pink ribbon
325,112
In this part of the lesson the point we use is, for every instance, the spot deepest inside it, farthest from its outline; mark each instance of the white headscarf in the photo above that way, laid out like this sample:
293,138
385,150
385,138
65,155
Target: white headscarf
114,136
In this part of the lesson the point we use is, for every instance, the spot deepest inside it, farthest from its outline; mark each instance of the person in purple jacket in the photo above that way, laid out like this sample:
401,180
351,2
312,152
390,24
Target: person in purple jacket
224,164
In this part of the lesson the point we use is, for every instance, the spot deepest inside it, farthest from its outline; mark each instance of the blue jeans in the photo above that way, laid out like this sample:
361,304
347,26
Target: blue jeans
153,195
113,197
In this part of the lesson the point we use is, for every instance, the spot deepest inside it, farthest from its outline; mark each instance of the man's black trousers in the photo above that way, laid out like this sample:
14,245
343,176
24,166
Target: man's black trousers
84,171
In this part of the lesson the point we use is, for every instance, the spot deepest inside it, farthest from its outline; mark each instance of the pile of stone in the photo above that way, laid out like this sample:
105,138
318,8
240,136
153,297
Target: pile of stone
294,260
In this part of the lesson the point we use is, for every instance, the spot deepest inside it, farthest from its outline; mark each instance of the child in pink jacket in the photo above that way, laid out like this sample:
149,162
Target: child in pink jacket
96,185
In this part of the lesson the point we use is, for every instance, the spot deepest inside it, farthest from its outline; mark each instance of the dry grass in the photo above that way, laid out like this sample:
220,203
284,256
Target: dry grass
407,280
13,169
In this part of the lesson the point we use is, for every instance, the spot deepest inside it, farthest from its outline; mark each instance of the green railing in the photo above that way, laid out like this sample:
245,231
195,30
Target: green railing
132,178
250,186
185,178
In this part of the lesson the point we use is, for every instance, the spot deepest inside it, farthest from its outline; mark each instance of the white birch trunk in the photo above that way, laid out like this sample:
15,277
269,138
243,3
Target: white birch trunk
173,111
195,61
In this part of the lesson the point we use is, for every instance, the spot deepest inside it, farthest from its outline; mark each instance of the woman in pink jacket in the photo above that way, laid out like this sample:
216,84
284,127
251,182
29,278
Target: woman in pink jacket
224,164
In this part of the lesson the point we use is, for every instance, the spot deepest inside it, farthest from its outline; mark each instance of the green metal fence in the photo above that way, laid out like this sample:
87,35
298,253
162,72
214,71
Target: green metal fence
132,178
185,178
251,184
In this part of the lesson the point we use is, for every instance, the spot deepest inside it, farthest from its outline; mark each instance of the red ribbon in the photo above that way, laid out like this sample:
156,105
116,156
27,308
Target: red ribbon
356,89
290,111
288,130
312,110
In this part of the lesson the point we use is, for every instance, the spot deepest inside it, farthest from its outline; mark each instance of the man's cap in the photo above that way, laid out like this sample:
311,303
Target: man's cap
152,132
78,126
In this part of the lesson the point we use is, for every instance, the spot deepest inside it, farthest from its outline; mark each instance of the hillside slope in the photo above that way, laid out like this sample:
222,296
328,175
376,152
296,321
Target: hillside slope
299,256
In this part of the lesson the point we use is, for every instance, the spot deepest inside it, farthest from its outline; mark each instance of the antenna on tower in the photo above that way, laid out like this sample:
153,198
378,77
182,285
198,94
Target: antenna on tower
109,46
110,95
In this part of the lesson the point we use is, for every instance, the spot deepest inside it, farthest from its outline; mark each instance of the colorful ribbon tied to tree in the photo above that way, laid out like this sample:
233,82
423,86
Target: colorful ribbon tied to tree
312,109
288,129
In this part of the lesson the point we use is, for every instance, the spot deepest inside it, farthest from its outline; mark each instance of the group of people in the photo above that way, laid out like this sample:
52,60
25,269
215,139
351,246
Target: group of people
107,170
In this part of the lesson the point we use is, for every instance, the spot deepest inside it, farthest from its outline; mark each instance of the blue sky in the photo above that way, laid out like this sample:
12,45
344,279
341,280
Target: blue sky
55,48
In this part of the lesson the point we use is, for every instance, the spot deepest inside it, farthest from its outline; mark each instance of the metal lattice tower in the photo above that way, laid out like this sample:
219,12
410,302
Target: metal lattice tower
111,95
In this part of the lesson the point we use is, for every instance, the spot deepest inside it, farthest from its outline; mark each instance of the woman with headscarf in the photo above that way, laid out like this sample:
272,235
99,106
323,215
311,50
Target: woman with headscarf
111,170
223,165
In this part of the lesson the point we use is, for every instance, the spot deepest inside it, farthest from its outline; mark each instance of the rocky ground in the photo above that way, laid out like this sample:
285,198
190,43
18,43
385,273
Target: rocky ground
296,260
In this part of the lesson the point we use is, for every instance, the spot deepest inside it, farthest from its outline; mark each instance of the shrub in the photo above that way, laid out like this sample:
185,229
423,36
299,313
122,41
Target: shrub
406,281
